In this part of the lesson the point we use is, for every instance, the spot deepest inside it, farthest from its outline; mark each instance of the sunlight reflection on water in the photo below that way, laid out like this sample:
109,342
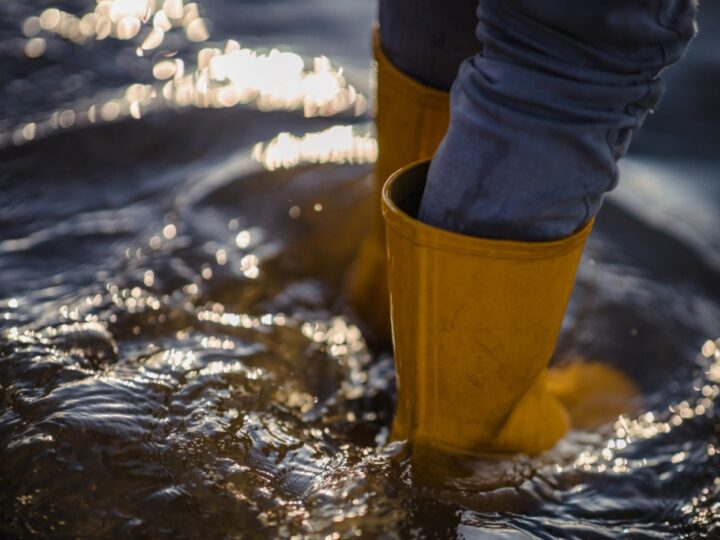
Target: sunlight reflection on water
219,78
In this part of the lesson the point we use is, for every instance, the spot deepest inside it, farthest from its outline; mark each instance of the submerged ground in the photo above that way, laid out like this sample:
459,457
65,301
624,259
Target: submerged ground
176,357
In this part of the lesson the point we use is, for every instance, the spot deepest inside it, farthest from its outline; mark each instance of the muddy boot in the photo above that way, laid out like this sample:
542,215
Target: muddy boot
411,121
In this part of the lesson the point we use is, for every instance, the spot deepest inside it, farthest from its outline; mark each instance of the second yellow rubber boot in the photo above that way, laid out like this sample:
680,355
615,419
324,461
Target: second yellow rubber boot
475,322
411,120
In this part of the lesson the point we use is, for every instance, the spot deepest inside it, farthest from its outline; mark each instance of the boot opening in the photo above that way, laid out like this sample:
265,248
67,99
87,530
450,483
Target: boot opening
407,189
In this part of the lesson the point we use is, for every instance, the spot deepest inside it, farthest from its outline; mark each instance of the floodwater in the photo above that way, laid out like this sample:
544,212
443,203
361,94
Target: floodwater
178,207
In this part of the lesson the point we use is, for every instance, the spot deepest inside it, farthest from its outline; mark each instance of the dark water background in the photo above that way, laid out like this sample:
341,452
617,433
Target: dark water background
176,359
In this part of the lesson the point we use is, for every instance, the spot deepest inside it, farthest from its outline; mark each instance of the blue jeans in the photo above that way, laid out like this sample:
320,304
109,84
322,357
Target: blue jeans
545,96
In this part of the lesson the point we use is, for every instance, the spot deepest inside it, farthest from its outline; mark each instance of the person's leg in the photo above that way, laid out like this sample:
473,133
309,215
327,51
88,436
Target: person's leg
538,122
541,116
418,49
428,40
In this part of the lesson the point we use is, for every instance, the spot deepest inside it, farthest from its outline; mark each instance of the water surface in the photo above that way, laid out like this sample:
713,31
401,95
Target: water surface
176,356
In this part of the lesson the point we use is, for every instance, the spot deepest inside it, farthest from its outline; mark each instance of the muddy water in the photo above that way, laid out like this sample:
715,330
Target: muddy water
176,357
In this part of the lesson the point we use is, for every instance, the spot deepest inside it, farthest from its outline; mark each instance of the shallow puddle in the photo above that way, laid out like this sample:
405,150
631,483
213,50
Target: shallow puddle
177,358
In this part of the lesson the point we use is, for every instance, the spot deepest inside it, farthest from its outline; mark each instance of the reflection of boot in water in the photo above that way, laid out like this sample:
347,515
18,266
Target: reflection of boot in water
475,322
411,121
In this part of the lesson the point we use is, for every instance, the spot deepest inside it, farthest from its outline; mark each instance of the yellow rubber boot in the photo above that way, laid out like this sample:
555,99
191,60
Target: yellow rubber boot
411,121
594,393
475,322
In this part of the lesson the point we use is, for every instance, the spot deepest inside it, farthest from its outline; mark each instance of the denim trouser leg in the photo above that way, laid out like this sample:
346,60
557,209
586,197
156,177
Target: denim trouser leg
541,116
429,39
